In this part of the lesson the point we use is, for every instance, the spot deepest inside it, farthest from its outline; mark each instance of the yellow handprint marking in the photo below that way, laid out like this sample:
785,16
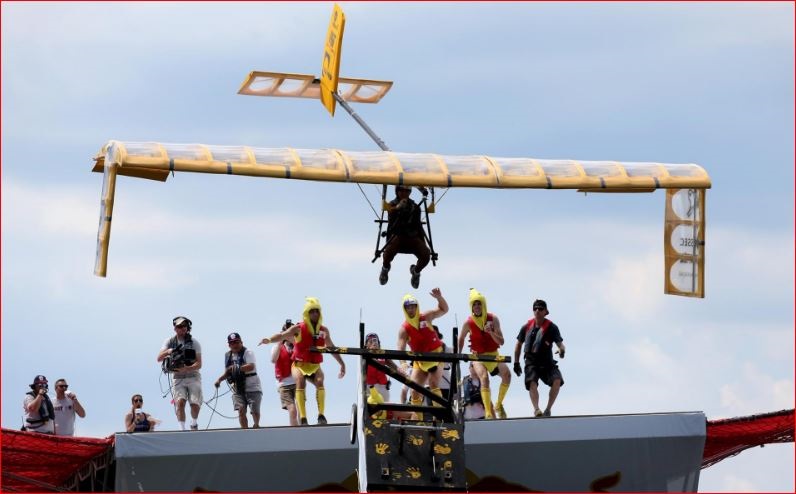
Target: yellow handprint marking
396,475
368,432
447,465
450,434
378,423
413,472
416,440
382,448
442,449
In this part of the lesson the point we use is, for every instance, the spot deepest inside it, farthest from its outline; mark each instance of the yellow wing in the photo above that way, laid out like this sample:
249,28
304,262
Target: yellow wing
153,160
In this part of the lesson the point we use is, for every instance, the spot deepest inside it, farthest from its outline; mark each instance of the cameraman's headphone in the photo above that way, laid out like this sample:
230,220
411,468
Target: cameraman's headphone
186,321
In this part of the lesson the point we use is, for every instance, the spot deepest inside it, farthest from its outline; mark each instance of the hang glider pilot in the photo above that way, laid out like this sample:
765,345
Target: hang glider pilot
404,235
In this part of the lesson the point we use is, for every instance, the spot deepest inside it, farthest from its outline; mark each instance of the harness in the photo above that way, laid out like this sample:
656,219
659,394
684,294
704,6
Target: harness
46,410
237,378
531,345
470,392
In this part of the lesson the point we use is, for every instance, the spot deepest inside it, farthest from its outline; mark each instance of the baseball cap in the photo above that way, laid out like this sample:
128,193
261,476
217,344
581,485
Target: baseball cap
233,337
410,301
38,380
181,320
402,187
539,304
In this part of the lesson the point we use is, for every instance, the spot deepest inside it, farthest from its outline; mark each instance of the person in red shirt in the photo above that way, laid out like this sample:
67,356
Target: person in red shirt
281,357
485,339
417,331
376,378
307,364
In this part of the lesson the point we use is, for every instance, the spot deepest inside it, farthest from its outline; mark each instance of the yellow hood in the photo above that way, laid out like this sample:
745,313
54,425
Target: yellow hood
476,296
414,321
312,303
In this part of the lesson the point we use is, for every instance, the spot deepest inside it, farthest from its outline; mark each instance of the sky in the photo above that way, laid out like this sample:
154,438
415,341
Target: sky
706,83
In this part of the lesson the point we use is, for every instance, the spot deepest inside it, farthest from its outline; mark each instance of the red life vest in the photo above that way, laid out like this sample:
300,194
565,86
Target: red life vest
305,340
423,339
480,341
532,324
375,376
283,363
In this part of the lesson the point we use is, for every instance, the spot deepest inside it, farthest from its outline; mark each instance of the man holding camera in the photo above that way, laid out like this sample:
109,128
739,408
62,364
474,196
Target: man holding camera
66,407
182,356
240,370
39,412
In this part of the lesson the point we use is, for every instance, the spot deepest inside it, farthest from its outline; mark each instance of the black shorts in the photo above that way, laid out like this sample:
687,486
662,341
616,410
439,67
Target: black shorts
546,374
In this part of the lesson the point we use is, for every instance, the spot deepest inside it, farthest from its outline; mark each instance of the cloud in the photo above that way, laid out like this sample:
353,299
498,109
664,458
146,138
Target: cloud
734,483
752,387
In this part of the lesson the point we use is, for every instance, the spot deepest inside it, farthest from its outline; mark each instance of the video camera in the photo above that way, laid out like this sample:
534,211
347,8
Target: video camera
288,323
179,357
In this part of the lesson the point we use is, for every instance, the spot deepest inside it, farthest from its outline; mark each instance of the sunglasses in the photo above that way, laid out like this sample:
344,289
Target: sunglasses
138,400
65,386
538,308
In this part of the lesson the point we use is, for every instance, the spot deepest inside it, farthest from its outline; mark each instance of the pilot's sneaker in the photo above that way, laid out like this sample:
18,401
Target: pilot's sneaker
384,276
321,420
546,413
537,413
415,276
501,412
303,421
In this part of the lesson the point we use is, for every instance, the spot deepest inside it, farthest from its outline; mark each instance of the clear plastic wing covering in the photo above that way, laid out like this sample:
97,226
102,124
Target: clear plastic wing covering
155,160
308,86
106,215
684,242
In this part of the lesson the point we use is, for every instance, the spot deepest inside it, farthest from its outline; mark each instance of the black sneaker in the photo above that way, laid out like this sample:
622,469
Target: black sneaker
194,427
546,413
321,419
384,276
415,276
304,421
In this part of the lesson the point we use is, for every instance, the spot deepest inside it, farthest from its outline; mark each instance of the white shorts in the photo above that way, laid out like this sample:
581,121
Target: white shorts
190,389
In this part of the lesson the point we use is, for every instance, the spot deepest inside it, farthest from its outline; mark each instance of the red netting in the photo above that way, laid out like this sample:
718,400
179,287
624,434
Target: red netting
729,437
35,462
